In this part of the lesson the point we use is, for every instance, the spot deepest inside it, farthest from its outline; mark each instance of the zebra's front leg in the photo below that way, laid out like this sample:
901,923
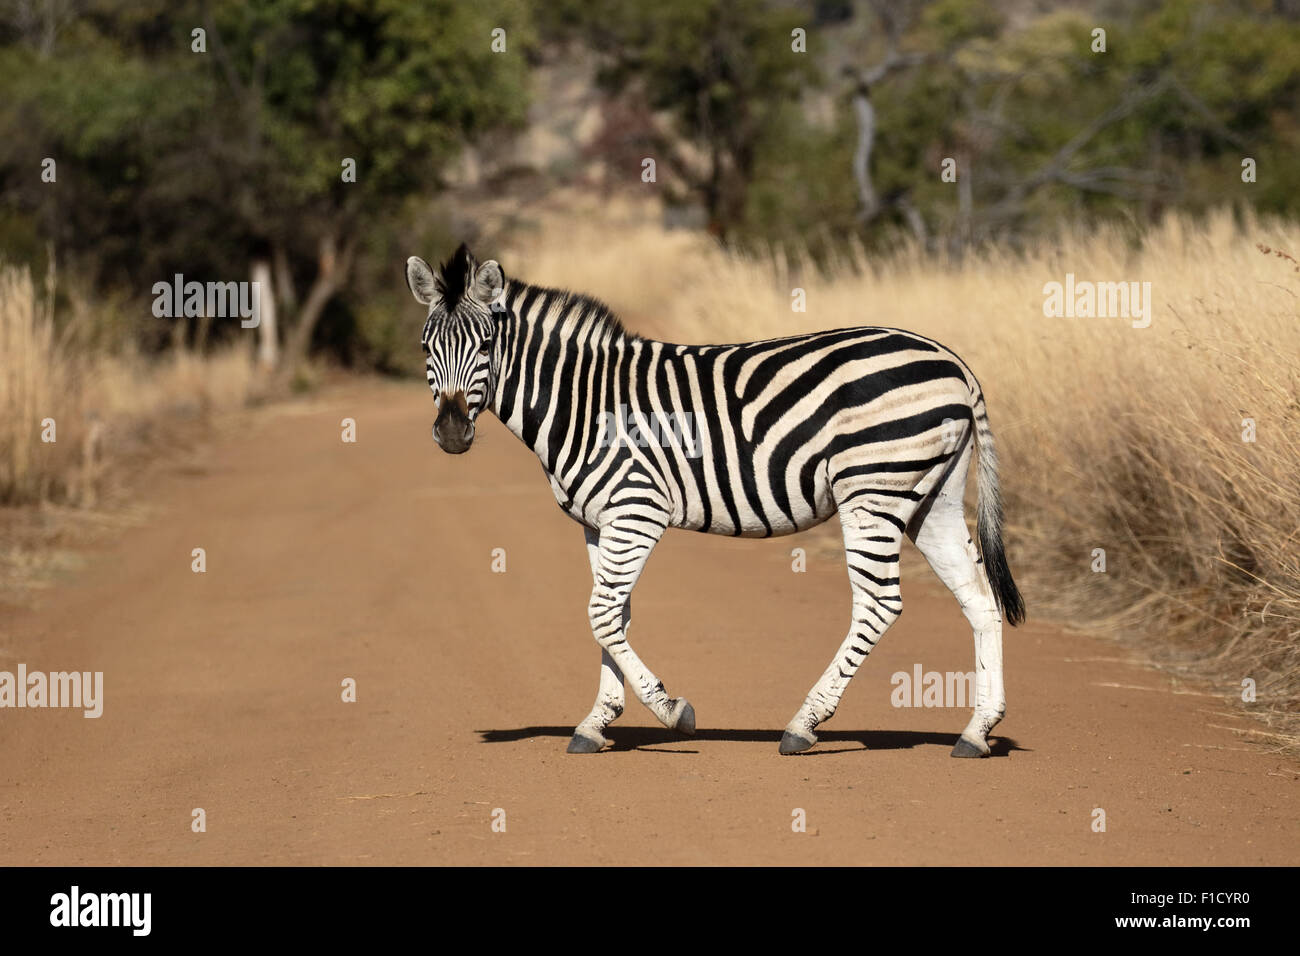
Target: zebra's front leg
872,548
621,550
590,735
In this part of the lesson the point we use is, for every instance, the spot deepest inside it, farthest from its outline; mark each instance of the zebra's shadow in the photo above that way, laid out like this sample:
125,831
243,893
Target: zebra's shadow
642,738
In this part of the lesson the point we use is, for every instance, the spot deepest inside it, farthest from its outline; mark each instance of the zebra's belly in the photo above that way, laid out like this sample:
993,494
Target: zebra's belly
738,515
771,507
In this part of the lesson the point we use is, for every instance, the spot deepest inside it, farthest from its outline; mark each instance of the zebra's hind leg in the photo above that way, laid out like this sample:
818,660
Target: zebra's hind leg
618,554
872,540
941,535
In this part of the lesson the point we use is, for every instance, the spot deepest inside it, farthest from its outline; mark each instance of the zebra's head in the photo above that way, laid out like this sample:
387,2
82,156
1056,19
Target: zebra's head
458,340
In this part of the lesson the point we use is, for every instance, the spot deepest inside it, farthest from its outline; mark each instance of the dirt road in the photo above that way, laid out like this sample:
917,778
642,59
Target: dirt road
374,561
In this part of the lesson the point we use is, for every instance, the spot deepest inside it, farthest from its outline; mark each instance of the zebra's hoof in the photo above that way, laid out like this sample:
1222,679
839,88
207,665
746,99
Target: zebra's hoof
970,748
582,744
792,743
684,717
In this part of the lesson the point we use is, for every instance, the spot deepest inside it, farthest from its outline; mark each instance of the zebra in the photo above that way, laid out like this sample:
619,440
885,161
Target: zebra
877,425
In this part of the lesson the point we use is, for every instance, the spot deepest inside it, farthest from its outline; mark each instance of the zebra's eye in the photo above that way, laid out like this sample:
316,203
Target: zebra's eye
486,349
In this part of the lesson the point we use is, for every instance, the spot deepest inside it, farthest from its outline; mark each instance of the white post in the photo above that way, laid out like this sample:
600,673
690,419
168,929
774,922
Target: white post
268,345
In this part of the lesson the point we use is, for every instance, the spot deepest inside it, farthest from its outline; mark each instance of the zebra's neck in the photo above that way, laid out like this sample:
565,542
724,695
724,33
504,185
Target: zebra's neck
551,339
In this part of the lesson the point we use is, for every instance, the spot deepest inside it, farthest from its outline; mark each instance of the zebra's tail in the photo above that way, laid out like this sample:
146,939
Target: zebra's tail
989,520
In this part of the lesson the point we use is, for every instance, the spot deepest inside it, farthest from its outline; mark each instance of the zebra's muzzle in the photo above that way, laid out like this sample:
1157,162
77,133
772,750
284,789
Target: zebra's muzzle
453,430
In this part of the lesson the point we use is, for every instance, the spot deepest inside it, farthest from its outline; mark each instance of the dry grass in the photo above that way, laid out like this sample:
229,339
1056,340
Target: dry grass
111,414
1112,437
100,405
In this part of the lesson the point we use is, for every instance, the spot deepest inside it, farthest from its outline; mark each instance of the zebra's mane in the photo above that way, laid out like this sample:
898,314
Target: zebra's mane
453,278
580,312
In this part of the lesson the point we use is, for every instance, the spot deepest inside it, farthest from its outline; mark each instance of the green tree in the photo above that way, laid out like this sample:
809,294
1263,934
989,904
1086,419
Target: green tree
396,87
724,69
173,159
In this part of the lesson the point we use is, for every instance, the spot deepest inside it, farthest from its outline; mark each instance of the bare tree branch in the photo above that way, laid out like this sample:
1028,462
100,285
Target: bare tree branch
1197,106
864,110
1056,168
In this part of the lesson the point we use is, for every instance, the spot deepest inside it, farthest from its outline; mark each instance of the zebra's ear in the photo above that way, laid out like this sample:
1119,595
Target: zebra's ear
420,278
489,282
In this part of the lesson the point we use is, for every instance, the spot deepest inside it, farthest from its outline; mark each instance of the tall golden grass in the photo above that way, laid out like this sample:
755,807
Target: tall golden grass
1129,440
99,402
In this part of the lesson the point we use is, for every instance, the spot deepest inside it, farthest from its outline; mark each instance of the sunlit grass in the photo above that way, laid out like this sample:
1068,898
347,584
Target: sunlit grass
53,384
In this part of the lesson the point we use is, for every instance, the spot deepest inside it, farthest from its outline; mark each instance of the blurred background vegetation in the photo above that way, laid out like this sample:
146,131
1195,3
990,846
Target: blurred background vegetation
210,163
